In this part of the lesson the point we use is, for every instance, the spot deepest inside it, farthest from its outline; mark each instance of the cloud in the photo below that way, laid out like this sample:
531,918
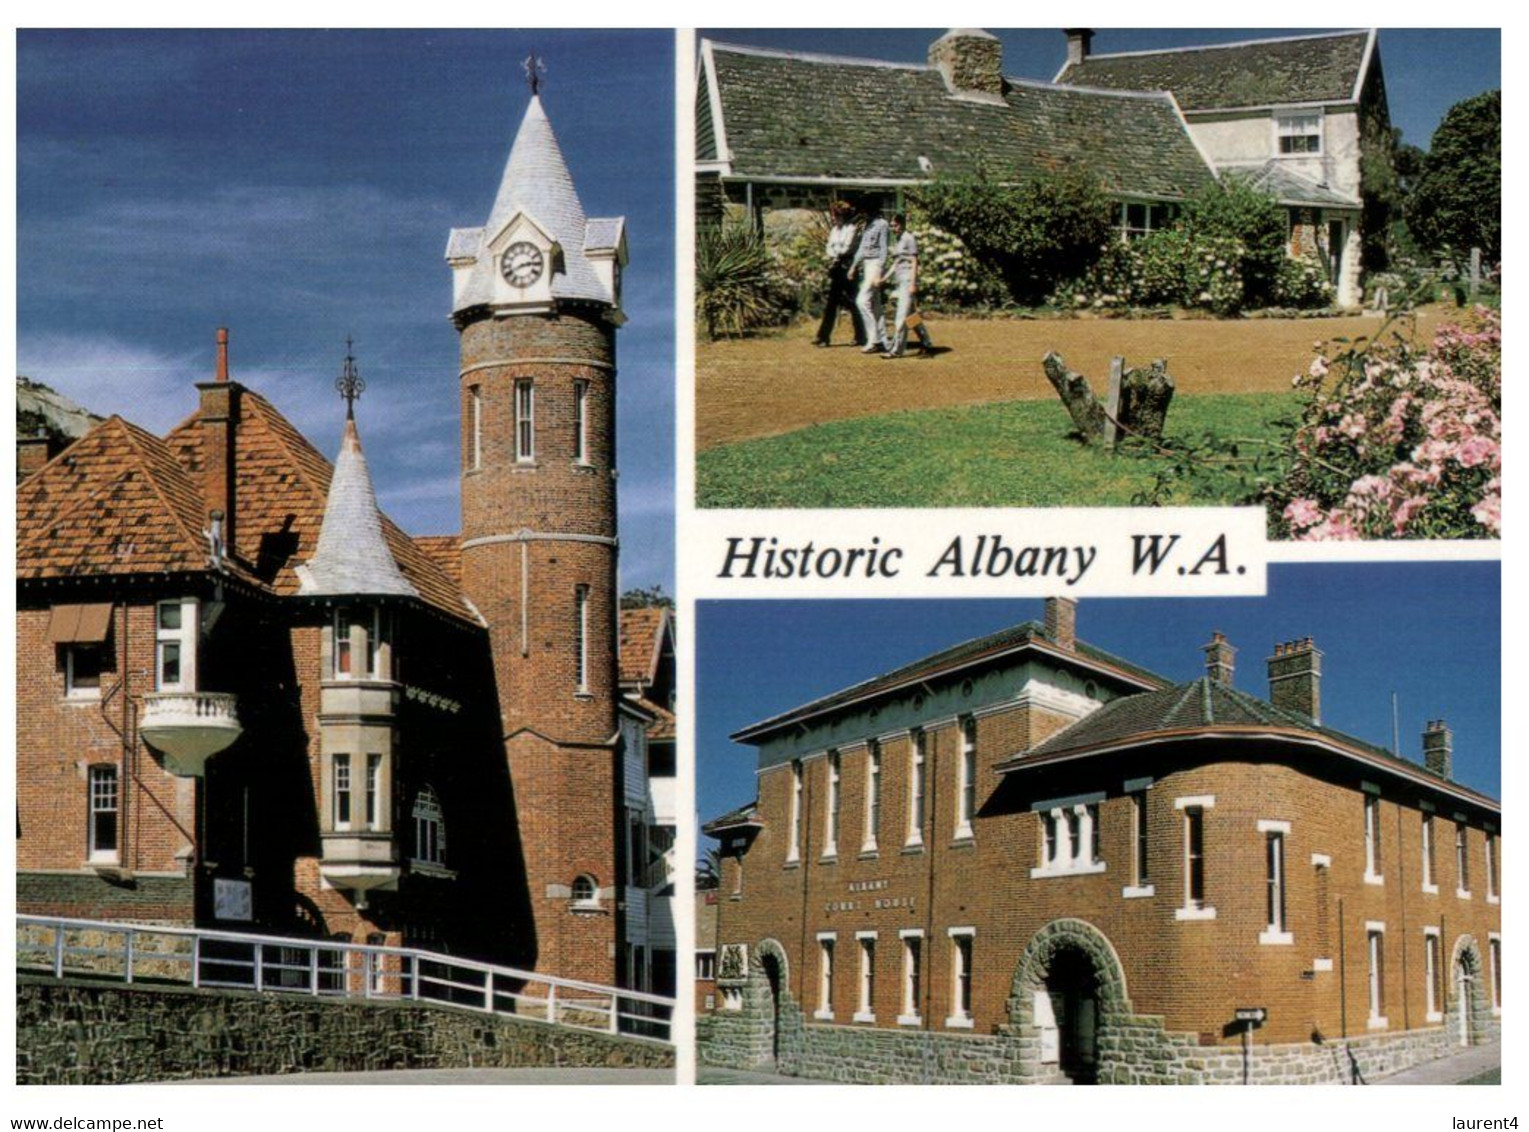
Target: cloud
109,375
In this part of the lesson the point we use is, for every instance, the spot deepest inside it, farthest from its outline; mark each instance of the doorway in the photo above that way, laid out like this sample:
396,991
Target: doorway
774,985
1067,1015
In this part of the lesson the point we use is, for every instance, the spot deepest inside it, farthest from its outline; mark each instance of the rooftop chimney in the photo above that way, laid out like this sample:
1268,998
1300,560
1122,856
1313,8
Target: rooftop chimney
1079,40
1220,659
32,452
1438,747
1295,678
971,62
1062,621
219,419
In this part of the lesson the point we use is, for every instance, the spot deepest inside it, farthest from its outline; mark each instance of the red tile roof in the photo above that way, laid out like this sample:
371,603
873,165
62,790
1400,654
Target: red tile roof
641,637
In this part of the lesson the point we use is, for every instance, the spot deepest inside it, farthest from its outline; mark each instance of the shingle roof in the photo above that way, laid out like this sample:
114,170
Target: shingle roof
1313,68
662,729
788,114
1030,633
352,556
445,551
1287,186
641,632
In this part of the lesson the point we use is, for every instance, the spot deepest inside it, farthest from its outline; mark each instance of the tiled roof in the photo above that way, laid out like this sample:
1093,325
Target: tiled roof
743,815
641,632
1314,68
662,728
798,115
445,551
1276,178
1030,633
352,556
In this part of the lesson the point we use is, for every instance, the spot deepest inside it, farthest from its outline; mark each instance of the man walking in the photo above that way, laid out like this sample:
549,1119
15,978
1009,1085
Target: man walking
905,276
840,295
869,257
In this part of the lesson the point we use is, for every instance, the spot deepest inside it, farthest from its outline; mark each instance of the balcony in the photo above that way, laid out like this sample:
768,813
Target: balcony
358,862
188,728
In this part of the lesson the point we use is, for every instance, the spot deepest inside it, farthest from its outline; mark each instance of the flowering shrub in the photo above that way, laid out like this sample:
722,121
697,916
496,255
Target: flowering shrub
1302,283
1168,267
949,275
1392,443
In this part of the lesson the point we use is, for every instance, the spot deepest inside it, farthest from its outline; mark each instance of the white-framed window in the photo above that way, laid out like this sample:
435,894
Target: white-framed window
913,975
826,941
83,664
1433,969
105,805
584,892
1141,218
1196,906
475,426
866,1011
373,791
872,796
429,827
1430,883
794,843
915,787
525,420
340,781
1374,861
966,784
175,629
365,662
1277,929
831,813
581,637
1069,841
1141,876
1494,970
1491,861
580,421
1462,862
961,940
706,964
1298,135
1375,941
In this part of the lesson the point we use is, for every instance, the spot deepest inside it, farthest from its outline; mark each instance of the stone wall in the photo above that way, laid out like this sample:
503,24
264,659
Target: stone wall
78,1033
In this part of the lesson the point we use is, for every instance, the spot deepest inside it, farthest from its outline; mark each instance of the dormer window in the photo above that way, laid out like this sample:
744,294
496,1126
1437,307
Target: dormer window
1298,135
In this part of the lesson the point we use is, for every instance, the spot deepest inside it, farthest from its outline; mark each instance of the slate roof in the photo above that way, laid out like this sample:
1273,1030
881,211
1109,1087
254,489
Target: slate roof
788,114
1268,72
1197,706
352,556
1290,187
947,661
640,637
536,182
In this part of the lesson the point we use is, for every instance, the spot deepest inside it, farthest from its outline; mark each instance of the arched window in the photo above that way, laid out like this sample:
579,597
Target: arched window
585,892
429,828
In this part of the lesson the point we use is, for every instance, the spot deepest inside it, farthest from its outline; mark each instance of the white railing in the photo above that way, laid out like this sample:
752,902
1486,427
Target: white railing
167,956
200,706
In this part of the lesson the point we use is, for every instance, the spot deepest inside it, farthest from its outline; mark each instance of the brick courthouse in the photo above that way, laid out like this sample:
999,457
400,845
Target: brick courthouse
1023,859
248,700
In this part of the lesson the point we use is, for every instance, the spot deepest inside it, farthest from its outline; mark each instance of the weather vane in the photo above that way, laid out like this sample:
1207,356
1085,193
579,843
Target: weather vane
350,383
534,69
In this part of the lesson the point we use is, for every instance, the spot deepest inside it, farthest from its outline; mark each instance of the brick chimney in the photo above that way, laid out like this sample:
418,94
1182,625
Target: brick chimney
971,62
1062,621
1295,678
219,418
1438,747
1220,659
32,452
1079,40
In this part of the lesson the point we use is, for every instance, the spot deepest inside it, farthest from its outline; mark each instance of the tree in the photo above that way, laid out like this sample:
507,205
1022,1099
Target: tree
1233,210
1457,204
646,598
708,871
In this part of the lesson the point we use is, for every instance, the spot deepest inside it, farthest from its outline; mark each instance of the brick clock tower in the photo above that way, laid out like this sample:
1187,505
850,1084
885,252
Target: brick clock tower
537,300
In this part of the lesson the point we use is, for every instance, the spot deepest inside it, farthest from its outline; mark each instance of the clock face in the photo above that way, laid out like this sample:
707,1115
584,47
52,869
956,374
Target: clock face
521,264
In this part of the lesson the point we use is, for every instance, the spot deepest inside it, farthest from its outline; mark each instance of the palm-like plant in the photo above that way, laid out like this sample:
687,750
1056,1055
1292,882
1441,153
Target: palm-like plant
732,280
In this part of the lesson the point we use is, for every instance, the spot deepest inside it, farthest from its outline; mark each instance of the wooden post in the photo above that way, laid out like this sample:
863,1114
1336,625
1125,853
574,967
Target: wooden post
127,956
1112,402
1075,393
552,1002
1475,271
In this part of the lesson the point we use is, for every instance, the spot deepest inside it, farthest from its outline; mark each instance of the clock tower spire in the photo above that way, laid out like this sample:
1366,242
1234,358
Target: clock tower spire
537,302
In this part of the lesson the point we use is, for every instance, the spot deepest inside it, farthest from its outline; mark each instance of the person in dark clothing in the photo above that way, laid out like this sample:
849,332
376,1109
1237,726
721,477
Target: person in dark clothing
840,293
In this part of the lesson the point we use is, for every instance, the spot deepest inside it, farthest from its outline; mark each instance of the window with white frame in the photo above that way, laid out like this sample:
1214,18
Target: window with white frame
105,805
83,664
1429,883
1196,906
1375,940
584,892
961,977
581,422
371,625
475,426
1494,972
706,964
1374,871
1069,840
429,827
581,637
373,791
1462,862
1298,135
1141,218
525,421
175,626
794,842
826,941
966,785
916,787
1433,969
1276,929
872,796
341,791
831,813
1141,876
866,1010
1491,860
913,974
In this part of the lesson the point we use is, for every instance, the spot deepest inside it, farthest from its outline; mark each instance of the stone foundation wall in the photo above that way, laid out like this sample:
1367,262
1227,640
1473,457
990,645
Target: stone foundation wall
84,1034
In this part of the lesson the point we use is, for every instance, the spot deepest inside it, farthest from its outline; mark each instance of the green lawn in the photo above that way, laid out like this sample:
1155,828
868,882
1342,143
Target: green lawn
1012,454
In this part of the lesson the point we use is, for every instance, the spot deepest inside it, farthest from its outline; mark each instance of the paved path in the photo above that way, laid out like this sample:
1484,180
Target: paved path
1450,1070
710,1075
454,1077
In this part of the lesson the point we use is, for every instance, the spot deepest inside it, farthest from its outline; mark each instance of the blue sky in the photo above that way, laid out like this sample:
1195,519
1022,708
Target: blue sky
298,187
1430,632
1427,70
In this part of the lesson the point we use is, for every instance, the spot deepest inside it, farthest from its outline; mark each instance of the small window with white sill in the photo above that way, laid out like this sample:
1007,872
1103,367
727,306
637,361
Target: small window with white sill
83,665
1141,875
1375,942
581,422
429,828
105,805
1491,860
341,791
794,841
475,427
913,974
1069,840
866,1010
1137,219
966,785
831,827
1462,862
1433,972
584,893
581,638
1374,870
1430,884
1196,906
175,632
360,636
1276,930
373,814
961,940
1298,135
872,796
825,1010
1494,972
915,787
525,421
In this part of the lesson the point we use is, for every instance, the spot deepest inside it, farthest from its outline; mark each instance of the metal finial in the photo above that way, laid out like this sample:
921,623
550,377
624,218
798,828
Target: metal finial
350,383
534,69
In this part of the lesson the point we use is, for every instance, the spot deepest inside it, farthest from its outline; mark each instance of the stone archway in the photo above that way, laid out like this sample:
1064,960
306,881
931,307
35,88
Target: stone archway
1067,1003
769,1011
1468,1006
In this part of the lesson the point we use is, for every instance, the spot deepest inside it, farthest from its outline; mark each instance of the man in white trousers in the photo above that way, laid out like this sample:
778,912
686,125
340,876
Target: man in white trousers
869,260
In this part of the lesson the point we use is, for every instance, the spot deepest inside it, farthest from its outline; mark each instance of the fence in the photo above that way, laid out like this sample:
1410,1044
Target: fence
328,969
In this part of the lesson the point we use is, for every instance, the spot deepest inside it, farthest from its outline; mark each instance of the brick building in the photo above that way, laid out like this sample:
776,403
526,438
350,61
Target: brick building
1024,859
247,699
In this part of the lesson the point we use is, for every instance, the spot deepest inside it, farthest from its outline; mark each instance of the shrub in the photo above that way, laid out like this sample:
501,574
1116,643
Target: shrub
1170,267
737,288
1303,283
1233,210
949,275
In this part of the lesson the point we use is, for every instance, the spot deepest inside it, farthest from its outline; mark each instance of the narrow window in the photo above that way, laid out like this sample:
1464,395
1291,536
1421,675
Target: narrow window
961,978
706,965
1432,991
525,421
342,792
915,787
913,957
1052,830
581,636
866,1011
1139,873
1429,884
825,977
1373,869
174,646
1274,876
794,844
1194,857
1088,835
1491,852
1494,957
872,795
831,832
429,828
475,426
1377,948
581,422
1462,861
348,623
103,813
966,793
373,791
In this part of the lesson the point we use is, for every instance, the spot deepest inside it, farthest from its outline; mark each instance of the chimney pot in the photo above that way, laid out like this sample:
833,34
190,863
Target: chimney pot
1438,748
1295,678
1079,42
1220,659
222,353
970,60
